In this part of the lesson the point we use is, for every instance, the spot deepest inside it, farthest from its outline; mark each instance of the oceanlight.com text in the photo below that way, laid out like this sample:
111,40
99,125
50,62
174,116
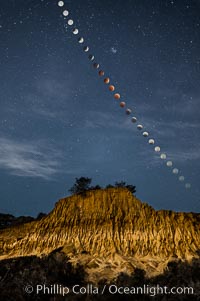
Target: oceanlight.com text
112,289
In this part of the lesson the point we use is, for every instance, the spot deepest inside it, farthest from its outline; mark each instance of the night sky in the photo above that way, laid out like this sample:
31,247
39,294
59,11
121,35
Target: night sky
59,121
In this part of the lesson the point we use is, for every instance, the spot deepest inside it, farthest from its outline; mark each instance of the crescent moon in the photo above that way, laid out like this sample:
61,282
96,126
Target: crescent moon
86,48
81,40
75,31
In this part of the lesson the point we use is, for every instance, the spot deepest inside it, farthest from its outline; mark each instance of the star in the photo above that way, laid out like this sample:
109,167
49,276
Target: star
113,50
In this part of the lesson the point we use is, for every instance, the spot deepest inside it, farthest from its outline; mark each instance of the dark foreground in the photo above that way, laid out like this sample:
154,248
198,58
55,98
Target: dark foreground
20,279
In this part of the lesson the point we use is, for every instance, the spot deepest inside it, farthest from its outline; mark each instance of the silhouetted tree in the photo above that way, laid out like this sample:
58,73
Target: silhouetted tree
109,186
120,184
131,188
97,187
40,216
81,185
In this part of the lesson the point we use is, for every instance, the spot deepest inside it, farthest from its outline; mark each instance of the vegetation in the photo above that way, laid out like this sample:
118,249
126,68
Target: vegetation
55,268
131,188
110,186
16,273
82,185
177,274
120,184
97,187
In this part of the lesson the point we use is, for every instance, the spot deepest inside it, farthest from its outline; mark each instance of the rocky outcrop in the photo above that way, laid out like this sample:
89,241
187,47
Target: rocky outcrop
107,229
8,220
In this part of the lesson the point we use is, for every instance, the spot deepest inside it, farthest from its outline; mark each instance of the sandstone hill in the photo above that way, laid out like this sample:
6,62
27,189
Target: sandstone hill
108,231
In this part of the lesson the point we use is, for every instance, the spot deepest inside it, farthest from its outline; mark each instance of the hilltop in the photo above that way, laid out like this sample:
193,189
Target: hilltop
108,231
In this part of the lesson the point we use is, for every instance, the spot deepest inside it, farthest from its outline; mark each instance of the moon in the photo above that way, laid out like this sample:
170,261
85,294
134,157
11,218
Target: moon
96,65
75,31
70,22
134,119
169,163
122,104
181,178
163,156
112,88
86,48
60,3
145,134
81,40
140,127
106,80
128,111
175,171
117,96
101,73
151,141
91,57
65,13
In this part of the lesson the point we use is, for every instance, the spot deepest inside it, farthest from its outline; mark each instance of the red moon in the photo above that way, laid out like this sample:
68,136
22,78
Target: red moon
106,80
101,73
117,96
111,88
122,104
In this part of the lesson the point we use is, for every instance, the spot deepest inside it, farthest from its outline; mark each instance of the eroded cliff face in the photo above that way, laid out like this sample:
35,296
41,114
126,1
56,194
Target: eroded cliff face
107,228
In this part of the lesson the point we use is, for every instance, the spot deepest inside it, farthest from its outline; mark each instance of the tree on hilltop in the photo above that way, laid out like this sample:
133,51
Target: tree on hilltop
81,185
96,187
123,184
131,188
120,184
109,186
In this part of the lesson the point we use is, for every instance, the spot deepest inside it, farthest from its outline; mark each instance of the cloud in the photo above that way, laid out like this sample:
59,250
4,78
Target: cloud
51,89
188,105
107,120
29,159
170,129
183,156
46,113
176,154
180,148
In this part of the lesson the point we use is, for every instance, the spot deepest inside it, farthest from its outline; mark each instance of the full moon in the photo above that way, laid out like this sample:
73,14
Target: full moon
65,13
169,163
163,156
175,171
117,96
70,22
157,149
111,88
60,3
